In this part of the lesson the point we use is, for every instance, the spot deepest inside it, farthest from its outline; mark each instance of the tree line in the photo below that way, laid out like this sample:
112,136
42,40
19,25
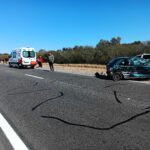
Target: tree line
100,54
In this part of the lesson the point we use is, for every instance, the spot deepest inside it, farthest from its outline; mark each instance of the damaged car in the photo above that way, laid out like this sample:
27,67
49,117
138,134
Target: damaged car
128,68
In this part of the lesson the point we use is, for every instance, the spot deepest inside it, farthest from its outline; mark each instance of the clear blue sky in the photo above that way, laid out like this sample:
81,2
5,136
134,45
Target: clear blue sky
54,24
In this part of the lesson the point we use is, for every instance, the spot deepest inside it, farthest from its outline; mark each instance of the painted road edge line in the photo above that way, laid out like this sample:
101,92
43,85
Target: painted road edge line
34,76
12,136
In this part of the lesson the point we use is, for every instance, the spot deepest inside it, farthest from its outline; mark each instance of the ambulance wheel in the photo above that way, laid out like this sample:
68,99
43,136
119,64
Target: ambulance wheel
10,65
32,67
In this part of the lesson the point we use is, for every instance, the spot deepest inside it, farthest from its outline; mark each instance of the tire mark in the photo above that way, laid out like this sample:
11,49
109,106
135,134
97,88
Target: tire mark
27,92
38,105
115,84
97,128
115,93
36,83
111,85
147,108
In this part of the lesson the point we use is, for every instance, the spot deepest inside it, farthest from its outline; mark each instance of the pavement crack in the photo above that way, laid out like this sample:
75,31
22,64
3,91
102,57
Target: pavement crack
97,128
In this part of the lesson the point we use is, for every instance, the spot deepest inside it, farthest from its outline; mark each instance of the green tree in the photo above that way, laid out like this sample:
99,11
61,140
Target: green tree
116,40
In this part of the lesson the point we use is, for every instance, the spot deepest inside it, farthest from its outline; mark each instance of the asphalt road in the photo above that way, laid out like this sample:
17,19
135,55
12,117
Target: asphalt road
58,111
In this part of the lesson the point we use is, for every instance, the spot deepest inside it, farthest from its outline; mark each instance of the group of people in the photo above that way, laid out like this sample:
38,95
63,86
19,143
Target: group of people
50,58
4,60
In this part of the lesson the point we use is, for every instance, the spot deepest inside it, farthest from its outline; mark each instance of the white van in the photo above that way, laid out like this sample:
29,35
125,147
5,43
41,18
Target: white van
23,57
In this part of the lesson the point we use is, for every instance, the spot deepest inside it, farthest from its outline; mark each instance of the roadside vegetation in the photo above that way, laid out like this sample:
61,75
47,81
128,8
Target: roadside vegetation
100,54
4,57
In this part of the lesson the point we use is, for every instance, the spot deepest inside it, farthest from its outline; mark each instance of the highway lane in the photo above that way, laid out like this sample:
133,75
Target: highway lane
51,110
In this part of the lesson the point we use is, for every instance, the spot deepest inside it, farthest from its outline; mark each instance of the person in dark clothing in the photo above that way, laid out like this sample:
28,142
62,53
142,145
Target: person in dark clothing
51,61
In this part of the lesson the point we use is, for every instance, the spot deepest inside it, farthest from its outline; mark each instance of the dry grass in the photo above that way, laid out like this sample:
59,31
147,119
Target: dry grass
83,69
82,65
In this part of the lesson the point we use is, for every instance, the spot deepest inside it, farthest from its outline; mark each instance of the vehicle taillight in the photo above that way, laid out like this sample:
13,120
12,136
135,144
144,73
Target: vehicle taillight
20,60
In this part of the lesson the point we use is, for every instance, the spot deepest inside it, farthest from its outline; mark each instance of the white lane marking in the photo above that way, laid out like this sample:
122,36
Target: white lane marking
34,76
13,138
9,70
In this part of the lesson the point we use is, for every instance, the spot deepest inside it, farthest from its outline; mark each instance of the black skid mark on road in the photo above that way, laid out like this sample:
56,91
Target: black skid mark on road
147,108
28,92
97,128
115,93
38,105
115,84
111,85
10,91
36,83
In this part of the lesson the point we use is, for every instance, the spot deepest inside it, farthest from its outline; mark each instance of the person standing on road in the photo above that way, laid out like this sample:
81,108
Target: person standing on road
51,61
40,61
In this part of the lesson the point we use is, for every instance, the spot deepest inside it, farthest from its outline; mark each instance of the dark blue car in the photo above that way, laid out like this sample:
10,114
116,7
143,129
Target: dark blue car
123,68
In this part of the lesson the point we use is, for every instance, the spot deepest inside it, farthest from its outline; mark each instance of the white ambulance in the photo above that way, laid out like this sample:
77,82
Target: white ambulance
23,57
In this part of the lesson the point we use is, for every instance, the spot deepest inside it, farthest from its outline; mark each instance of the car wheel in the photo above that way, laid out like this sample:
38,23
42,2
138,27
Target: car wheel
116,77
108,74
